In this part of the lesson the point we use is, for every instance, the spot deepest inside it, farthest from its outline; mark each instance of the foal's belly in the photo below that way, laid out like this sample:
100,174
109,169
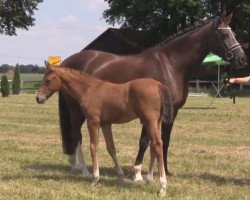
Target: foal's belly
118,118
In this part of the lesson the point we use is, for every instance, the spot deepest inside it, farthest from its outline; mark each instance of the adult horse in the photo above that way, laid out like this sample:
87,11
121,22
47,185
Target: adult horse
171,63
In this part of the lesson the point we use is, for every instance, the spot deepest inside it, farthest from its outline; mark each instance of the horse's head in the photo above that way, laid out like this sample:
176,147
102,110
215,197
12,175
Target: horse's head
223,43
50,84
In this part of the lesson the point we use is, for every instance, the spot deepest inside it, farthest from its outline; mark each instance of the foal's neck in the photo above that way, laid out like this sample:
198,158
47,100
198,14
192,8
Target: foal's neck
76,83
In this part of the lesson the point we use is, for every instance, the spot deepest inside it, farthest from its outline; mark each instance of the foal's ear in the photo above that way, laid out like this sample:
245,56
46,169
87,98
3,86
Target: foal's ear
47,65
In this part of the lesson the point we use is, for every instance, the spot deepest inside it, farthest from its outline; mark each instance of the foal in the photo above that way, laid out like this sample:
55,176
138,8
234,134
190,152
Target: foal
104,103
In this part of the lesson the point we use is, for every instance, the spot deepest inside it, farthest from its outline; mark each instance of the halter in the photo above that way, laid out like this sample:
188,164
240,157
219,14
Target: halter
229,51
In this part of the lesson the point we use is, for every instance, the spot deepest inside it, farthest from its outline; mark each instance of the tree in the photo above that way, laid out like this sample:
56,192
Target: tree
16,14
166,17
16,82
5,88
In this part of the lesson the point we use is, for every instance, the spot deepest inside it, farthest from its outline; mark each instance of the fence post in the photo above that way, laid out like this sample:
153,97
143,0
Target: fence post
197,86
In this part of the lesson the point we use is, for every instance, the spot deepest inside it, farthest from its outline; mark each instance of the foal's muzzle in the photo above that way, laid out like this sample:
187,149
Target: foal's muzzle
40,99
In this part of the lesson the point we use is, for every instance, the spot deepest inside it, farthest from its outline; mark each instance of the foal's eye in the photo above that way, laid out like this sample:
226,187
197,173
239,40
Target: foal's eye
47,81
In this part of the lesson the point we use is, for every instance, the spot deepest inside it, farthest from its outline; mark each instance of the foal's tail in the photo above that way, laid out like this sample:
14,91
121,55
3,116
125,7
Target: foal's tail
167,109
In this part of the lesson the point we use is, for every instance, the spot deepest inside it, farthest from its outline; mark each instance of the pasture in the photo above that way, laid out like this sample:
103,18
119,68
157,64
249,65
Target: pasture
209,154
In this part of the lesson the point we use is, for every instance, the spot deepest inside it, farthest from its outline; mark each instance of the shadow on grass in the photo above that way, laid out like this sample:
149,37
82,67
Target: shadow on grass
198,108
217,179
57,172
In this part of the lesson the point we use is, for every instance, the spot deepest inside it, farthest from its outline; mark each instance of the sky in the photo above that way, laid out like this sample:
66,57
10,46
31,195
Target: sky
62,28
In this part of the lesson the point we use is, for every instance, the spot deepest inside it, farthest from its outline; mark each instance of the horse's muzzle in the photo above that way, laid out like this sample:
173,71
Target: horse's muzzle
40,99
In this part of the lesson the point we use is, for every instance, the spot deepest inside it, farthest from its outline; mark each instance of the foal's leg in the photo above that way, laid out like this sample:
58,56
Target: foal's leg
150,174
143,145
107,132
156,145
93,127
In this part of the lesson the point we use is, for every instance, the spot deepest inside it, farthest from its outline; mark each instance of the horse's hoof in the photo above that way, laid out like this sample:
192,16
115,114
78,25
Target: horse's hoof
121,180
138,178
86,174
149,178
168,173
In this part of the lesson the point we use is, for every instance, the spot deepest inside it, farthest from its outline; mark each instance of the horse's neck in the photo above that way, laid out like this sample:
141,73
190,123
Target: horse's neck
188,51
76,83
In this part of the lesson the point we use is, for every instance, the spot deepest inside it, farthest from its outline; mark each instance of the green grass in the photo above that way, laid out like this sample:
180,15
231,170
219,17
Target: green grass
209,154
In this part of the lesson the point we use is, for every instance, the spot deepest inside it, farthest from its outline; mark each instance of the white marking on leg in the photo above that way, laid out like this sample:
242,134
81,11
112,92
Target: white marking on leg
73,162
150,174
162,186
82,163
137,170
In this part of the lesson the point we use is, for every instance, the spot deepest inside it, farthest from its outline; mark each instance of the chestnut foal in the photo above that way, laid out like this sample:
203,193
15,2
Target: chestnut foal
104,103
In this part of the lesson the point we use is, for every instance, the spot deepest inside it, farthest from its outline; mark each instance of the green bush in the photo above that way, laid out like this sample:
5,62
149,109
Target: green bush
5,87
16,82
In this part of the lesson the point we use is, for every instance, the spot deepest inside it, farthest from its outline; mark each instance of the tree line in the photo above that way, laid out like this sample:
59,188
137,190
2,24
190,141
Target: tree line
164,18
34,69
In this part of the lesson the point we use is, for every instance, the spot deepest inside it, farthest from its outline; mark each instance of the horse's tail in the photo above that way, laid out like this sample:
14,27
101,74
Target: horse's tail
65,125
167,109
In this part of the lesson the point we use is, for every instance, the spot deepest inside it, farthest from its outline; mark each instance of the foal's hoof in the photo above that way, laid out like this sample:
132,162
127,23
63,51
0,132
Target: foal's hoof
95,181
161,193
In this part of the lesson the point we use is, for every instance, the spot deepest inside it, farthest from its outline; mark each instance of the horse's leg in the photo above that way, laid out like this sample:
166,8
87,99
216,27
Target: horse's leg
143,145
165,136
77,120
107,132
93,128
71,120
81,161
156,146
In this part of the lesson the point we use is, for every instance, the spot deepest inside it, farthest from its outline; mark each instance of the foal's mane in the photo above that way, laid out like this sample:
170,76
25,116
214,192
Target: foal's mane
79,72
184,31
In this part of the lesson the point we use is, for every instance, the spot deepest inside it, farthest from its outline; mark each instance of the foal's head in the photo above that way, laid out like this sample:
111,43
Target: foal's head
51,84
223,43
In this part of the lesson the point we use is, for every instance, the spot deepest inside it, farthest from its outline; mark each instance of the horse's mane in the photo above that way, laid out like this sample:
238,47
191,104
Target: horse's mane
184,31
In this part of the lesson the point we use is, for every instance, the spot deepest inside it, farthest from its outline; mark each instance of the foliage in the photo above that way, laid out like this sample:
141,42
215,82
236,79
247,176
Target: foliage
5,87
35,69
164,18
16,14
16,82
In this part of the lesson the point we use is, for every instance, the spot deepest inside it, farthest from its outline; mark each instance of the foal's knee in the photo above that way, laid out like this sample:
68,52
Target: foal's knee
156,146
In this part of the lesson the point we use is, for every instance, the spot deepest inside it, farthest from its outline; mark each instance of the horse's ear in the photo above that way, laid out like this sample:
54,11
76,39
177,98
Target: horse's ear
226,17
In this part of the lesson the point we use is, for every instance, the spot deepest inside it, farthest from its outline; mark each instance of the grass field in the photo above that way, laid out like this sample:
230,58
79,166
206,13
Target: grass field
209,154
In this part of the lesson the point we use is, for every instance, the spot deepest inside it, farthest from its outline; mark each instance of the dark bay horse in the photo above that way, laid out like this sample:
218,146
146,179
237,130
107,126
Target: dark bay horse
172,64
104,103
